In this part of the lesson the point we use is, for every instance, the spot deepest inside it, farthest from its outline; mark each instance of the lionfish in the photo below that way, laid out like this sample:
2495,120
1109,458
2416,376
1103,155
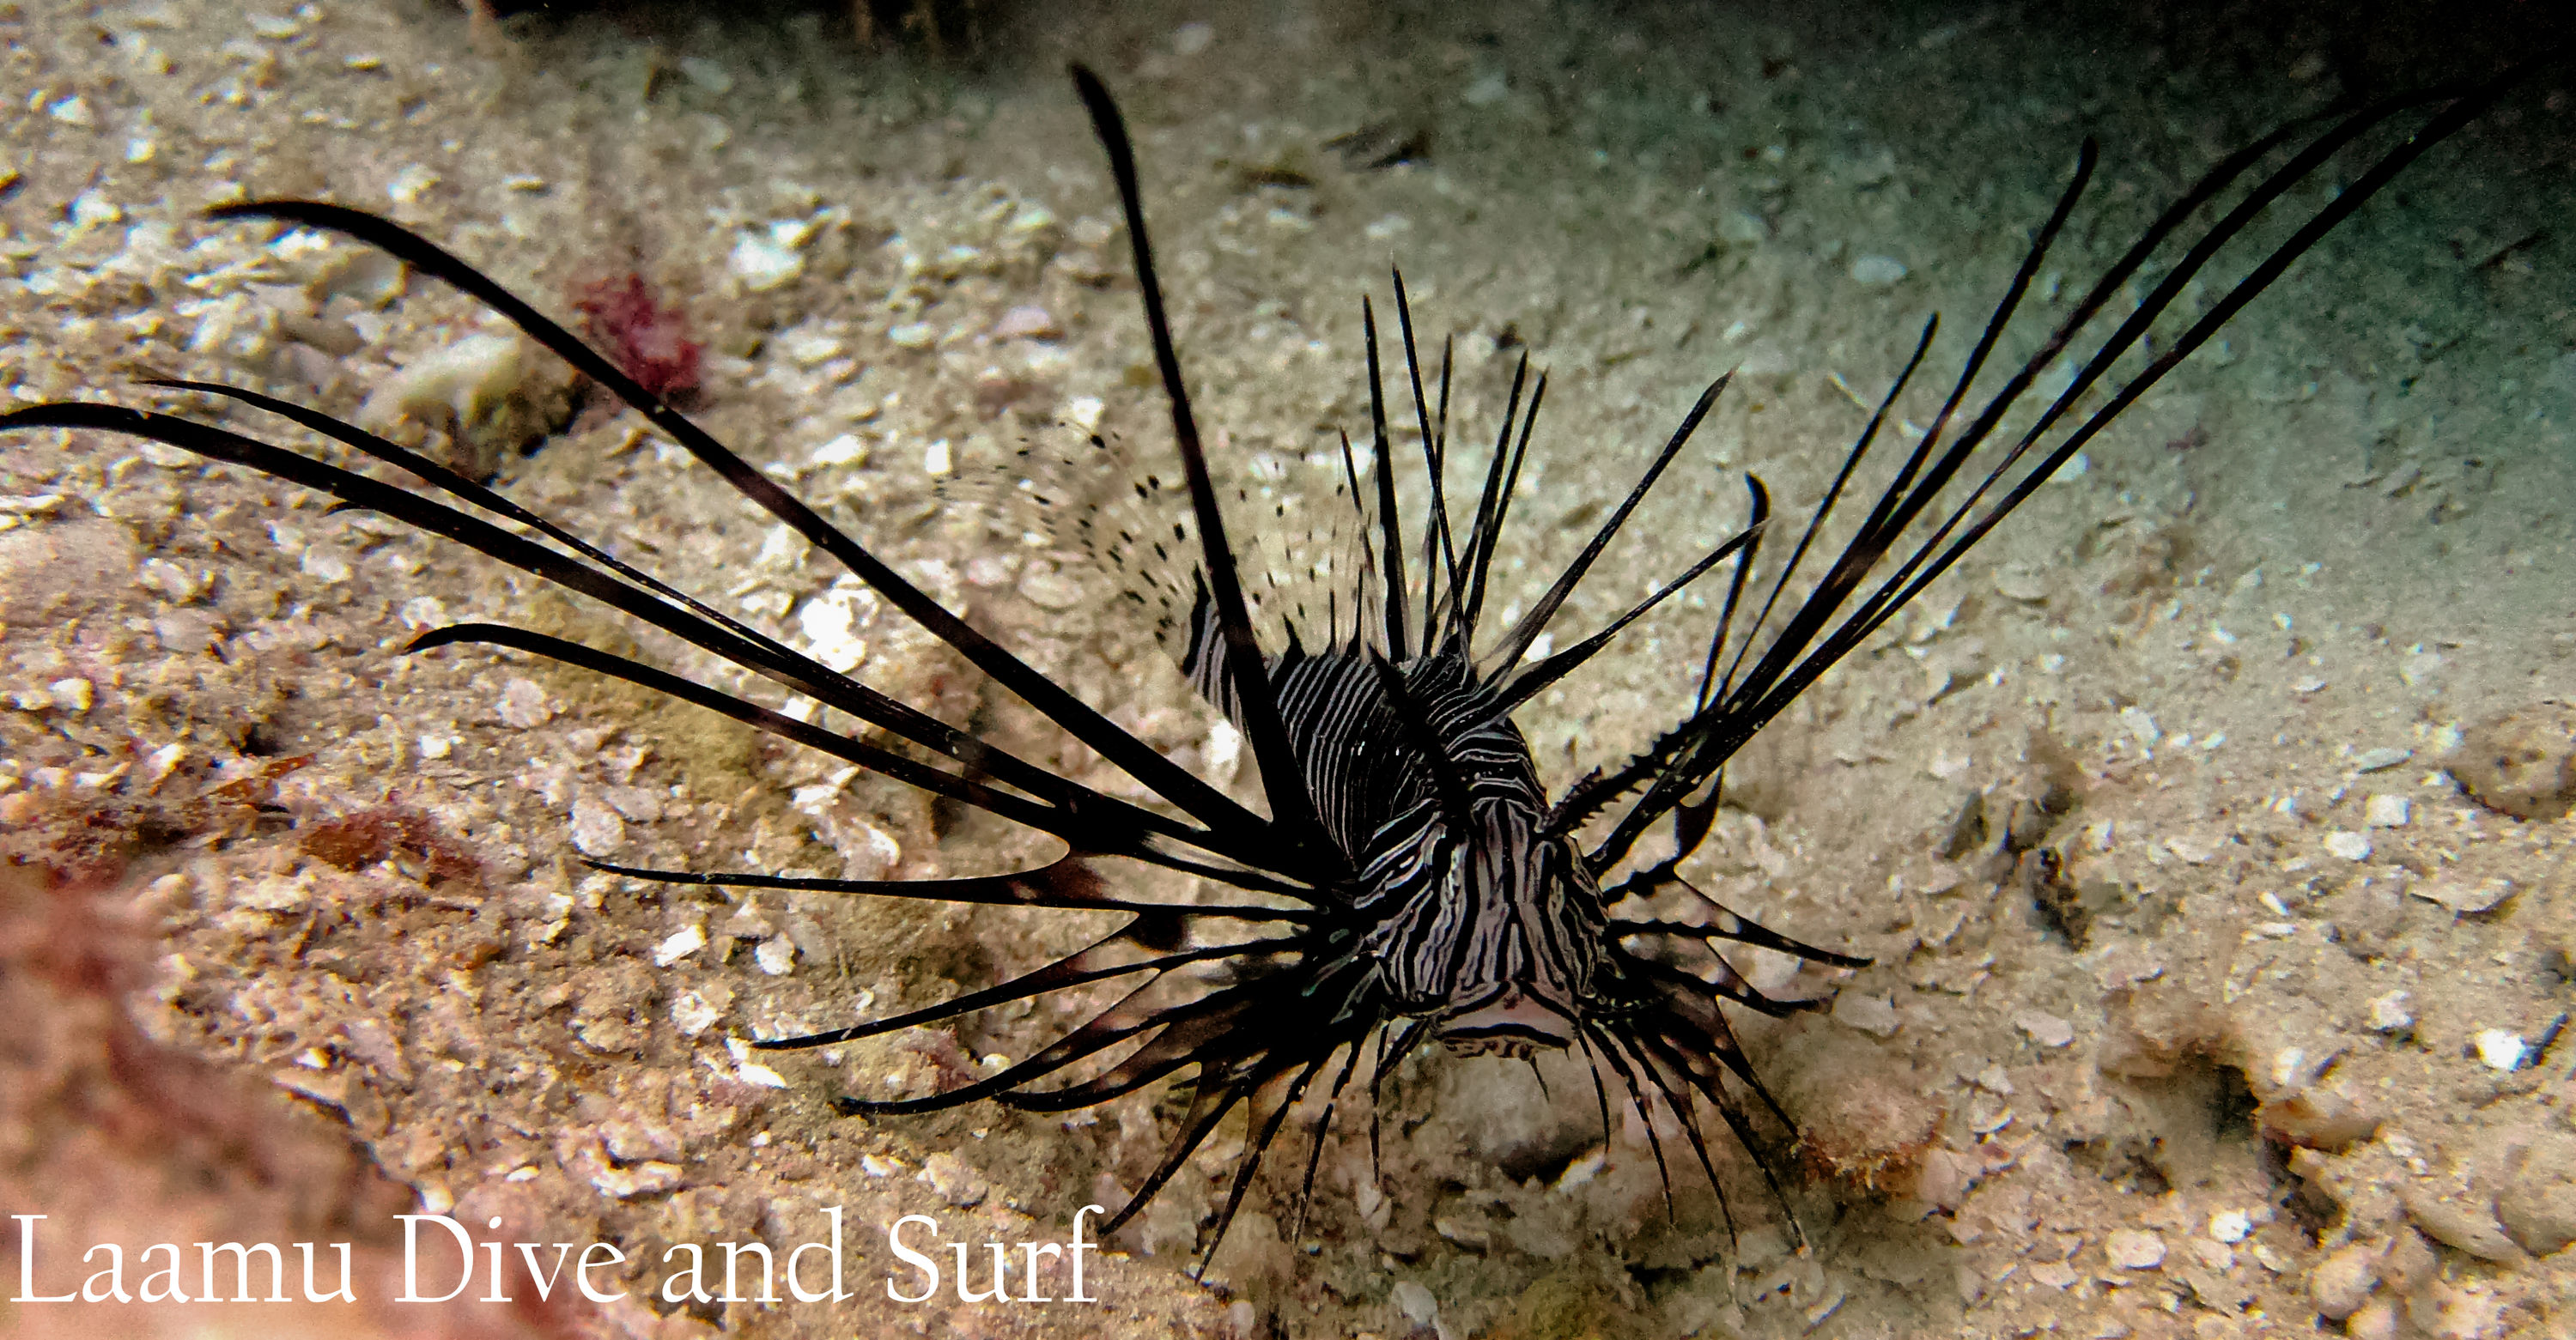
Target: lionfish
1412,881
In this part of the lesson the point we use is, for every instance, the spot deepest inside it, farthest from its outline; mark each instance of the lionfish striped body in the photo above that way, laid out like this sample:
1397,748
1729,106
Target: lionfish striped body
1413,881
1475,915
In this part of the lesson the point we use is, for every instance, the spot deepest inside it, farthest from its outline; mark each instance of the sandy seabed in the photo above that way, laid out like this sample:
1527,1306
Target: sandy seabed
294,934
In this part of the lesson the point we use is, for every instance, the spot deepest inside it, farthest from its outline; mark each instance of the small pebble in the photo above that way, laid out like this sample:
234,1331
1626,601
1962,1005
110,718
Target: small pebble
596,829
1026,323
2521,763
2190,850
912,335
2342,1282
2388,1014
2044,1028
1416,1303
524,705
2376,760
1875,271
2021,584
2230,1226
2377,1320
2134,1249
1742,228
957,1183
810,349
2387,812
2464,1223
2347,845
707,75
2461,896
1875,1015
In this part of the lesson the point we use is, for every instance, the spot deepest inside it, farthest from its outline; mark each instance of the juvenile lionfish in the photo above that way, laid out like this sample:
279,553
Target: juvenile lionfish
1413,881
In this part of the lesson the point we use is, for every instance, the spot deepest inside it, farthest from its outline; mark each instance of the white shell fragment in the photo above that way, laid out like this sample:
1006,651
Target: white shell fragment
70,695
2343,844
421,613
2380,760
2501,1049
2387,812
2388,1014
749,1071
410,184
679,944
2134,1249
830,623
463,380
693,1013
768,259
2230,1226
643,1179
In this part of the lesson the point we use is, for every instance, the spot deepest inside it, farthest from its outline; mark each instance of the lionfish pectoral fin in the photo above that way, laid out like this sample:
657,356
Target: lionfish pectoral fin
1092,963
1067,883
1268,1112
1821,631
1131,754
1518,640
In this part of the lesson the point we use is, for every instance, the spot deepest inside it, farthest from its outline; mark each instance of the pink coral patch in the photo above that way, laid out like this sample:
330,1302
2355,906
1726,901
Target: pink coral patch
648,341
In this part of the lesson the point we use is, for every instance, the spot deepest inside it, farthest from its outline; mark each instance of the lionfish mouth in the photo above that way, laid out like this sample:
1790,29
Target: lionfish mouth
1513,1023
